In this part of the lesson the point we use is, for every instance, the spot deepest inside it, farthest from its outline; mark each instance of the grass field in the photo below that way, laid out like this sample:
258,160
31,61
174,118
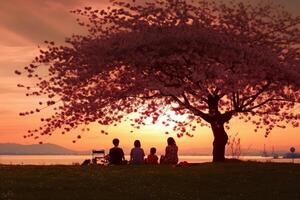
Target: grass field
233,180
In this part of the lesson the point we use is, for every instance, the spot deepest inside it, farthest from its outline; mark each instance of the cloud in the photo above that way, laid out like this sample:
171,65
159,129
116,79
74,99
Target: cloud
11,38
17,54
33,21
5,112
4,90
36,21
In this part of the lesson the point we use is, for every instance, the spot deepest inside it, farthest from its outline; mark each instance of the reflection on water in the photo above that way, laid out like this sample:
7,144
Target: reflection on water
77,159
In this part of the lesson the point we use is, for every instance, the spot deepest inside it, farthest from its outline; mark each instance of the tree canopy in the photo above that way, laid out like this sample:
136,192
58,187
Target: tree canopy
208,61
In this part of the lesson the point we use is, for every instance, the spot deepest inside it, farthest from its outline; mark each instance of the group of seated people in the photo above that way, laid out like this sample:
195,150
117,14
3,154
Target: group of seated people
137,155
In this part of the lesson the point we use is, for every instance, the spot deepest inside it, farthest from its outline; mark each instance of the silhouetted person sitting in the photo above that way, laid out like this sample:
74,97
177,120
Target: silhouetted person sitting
171,156
137,154
116,154
152,158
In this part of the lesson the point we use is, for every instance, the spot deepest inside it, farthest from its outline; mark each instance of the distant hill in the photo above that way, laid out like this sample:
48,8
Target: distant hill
36,149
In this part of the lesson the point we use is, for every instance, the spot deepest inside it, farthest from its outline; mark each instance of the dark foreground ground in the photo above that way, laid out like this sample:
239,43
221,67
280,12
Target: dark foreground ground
233,180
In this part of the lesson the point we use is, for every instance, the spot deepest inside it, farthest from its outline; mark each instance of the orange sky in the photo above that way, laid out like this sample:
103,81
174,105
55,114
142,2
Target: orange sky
25,26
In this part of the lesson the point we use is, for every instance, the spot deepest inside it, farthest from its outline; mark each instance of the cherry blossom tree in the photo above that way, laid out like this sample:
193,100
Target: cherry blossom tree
203,60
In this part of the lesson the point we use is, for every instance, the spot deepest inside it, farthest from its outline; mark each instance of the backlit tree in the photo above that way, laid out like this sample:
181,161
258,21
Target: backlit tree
206,61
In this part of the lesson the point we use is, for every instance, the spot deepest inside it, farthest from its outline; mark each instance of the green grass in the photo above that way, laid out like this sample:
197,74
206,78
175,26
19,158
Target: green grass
233,180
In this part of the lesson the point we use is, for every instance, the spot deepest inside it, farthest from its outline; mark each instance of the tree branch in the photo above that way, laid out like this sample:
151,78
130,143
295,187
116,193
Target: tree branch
256,106
186,104
254,97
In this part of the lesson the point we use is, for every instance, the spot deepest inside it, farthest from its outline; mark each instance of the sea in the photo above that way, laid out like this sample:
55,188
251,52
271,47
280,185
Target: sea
78,159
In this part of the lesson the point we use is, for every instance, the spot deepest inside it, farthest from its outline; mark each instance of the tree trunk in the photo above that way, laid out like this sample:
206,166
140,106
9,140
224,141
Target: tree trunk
217,121
220,141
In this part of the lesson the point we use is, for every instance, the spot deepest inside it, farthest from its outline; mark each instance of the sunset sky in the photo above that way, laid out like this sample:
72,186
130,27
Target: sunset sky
24,24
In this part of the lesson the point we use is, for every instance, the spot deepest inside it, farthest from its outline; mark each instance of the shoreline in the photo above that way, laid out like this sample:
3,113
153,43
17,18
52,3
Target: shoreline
78,159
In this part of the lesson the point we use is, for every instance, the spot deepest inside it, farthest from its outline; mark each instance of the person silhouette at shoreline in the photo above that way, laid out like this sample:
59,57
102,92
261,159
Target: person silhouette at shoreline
171,155
116,154
152,158
137,154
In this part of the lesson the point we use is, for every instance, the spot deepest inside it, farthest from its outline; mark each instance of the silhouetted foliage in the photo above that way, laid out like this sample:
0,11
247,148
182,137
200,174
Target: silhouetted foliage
207,61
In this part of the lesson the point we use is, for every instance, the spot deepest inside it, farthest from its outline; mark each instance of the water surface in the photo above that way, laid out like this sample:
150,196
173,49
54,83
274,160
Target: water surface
78,159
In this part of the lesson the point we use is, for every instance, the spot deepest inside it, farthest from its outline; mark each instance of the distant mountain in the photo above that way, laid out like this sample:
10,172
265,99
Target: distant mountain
36,149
